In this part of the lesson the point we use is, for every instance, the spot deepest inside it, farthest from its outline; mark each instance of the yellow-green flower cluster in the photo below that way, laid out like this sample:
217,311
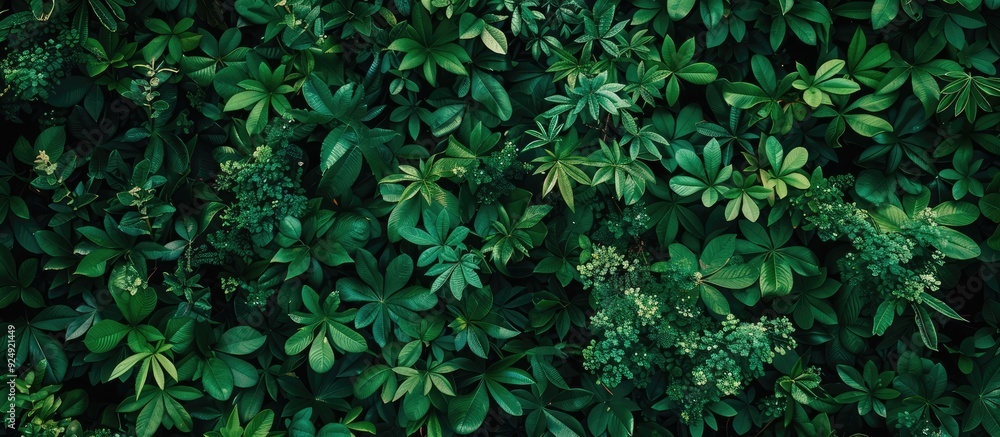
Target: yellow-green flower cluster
725,360
267,188
495,174
604,265
44,165
646,324
900,264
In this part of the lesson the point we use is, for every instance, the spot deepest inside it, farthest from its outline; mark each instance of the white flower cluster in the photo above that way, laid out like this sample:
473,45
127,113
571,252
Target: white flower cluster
647,308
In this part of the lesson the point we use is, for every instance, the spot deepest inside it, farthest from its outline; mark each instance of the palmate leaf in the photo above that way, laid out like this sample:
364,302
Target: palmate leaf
458,275
388,300
744,197
324,328
445,243
547,410
645,83
507,238
984,398
395,307
157,405
678,65
263,90
809,299
422,180
706,178
561,168
593,94
786,170
156,358
968,94
630,176
776,261
428,46
643,140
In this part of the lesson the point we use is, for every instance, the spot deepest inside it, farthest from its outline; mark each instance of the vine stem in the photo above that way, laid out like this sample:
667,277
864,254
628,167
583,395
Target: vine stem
763,428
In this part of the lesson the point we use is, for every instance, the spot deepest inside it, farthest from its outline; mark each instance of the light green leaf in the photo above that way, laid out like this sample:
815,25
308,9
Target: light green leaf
494,39
346,338
321,354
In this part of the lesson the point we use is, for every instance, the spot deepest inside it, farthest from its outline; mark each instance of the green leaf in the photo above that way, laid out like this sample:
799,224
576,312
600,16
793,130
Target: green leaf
884,316
318,96
714,300
744,95
260,424
504,398
928,333
346,338
990,206
105,16
290,227
718,251
127,364
54,318
951,213
243,100
149,419
467,413
488,91
495,40
562,424
786,6
93,265
217,379
240,340
299,341
775,277
140,305
321,354
883,12
734,277
957,245
469,27
939,306
699,73
774,152
839,86
105,335
340,161
678,9
532,216
371,380
867,124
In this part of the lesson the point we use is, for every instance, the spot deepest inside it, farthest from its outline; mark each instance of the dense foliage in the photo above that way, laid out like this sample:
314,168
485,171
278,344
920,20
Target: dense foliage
503,217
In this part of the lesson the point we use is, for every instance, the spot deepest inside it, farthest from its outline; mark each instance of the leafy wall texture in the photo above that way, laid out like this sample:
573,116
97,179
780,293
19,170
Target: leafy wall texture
500,217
